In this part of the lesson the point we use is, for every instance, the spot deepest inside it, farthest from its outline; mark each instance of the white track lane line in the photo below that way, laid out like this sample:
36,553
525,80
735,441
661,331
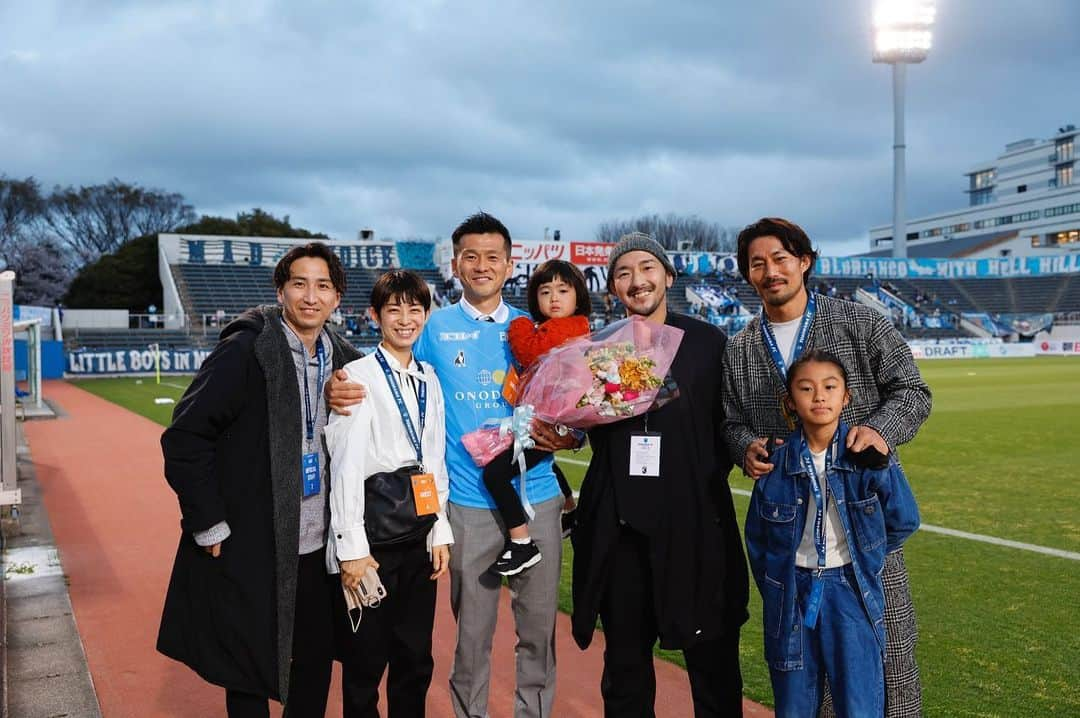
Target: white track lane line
982,538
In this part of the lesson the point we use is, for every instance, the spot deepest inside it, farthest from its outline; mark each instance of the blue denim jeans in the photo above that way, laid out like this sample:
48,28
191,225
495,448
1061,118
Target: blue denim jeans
842,646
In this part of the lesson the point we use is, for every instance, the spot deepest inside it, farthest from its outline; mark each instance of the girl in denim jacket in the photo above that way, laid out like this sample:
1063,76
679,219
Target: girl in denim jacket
819,571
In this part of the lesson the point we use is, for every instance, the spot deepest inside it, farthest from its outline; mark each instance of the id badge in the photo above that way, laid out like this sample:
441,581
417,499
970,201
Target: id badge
425,494
310,467
645,454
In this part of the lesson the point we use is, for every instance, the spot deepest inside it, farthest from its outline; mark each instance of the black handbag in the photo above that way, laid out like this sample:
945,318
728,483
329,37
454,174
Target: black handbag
390,510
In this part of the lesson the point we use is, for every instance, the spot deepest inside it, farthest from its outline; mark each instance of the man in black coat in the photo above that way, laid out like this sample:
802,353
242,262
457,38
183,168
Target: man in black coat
660,555
250,604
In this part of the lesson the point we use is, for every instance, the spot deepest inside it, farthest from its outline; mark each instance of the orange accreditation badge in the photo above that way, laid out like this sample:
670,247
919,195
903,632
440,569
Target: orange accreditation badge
512,386
425,494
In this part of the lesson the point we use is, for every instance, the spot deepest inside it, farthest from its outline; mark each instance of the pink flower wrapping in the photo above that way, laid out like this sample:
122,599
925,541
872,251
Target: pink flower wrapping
606,376
485,444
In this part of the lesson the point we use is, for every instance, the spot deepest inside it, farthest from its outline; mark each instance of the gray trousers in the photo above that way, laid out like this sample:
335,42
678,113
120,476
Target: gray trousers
479,536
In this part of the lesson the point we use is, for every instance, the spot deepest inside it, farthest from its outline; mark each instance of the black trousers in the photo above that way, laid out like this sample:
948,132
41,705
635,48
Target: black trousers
628,615
317,599
499,477
396,633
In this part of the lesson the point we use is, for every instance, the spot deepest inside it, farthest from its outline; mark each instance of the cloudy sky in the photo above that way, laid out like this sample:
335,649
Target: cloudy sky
404,116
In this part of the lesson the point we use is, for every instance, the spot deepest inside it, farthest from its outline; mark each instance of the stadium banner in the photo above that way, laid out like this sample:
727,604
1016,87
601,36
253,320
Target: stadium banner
586,253
703,262
589,254
266,253
971,351
415,254
87,362
536,253
921,268
1058,347
595,277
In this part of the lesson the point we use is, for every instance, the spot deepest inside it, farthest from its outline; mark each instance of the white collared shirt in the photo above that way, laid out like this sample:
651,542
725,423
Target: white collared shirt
500,315
373,440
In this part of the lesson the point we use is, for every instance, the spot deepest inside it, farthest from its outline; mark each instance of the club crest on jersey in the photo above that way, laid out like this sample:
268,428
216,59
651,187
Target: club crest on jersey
459,360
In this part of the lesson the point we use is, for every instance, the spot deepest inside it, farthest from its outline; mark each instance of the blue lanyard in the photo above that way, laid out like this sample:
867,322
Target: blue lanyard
818,488
309,415
421,400
800,337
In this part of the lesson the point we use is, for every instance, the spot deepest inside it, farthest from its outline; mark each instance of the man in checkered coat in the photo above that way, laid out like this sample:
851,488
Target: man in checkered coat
889,400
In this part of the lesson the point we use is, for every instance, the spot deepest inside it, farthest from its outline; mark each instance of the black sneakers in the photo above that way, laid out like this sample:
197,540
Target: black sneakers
516,557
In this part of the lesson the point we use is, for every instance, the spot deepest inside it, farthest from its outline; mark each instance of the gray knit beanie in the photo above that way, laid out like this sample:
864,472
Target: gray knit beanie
632,242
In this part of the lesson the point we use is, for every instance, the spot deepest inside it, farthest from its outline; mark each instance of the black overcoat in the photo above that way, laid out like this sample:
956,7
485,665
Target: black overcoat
700,580
232,453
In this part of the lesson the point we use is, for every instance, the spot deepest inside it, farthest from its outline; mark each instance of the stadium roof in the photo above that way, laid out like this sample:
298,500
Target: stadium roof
949,248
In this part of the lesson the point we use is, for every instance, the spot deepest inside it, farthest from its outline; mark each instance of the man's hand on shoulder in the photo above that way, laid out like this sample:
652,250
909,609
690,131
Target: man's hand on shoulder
861,437
756,461
341,393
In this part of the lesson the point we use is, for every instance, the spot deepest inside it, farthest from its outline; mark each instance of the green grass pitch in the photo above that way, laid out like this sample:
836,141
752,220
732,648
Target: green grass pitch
999,456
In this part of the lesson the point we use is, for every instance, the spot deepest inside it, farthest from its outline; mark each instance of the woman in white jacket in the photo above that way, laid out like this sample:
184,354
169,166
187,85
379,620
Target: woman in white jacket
388,492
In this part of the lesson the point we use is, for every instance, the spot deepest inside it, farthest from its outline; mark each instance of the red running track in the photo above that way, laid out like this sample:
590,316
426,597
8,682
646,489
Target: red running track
116,520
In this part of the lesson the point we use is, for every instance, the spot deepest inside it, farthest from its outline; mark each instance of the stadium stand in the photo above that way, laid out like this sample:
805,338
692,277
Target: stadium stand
212,290
135,338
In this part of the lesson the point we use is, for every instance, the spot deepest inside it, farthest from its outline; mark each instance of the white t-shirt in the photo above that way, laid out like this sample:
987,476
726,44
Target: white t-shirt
836,548
785,332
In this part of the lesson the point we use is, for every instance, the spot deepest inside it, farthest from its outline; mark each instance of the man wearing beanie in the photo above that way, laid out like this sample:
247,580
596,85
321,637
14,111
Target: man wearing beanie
659,556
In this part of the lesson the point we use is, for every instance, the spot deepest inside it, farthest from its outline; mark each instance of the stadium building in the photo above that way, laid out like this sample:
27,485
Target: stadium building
1024,203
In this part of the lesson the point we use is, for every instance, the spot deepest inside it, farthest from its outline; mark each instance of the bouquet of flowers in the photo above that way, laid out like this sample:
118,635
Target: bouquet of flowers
609,375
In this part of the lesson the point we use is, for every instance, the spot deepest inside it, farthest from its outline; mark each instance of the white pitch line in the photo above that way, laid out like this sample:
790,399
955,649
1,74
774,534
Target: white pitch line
982,538
1071,555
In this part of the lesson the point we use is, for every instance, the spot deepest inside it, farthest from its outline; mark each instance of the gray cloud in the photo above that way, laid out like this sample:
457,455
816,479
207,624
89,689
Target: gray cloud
404,117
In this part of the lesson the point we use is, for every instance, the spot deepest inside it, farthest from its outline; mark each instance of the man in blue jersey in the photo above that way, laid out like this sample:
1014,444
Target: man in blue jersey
466,344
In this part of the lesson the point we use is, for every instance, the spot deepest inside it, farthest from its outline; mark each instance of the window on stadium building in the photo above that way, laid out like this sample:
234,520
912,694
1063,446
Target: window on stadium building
1068,236
1064,175
1063,209
1064,150
979,180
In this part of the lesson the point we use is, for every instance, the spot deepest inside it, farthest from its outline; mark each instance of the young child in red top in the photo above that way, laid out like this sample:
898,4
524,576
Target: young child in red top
559,304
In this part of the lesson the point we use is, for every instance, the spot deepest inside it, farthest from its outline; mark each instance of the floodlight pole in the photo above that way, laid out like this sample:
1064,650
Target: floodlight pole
899,243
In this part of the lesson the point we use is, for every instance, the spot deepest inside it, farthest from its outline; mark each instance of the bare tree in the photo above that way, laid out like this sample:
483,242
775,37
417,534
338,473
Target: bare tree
97,219
43,272
22,211
673,232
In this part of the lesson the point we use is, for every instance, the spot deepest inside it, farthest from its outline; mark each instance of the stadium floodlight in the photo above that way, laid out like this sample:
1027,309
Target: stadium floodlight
902,30
902,36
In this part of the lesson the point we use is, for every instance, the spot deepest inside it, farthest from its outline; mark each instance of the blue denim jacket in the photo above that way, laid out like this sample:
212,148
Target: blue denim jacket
878,512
